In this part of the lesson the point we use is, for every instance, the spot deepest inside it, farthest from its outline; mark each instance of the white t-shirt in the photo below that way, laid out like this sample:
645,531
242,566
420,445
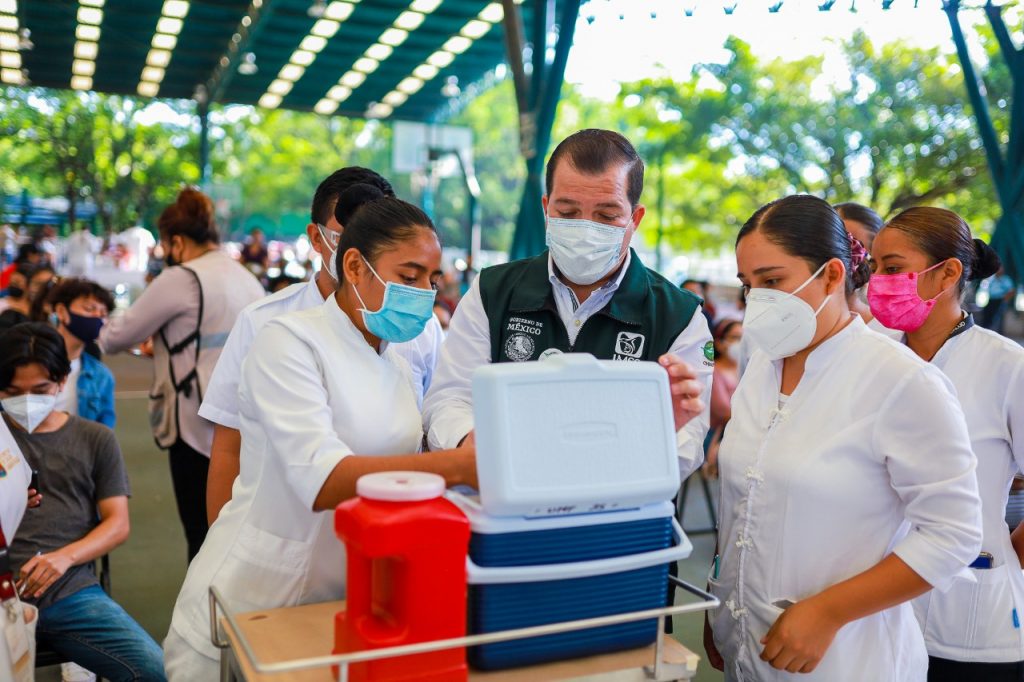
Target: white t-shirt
67,400
220,402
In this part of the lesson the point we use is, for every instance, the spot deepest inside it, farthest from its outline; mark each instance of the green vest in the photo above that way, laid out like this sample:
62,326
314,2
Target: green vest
641,321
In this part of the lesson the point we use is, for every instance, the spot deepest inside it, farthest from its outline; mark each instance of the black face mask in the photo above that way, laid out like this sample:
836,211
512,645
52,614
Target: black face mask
170,261
15,292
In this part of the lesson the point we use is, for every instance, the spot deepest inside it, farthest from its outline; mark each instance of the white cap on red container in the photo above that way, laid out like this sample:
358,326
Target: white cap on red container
400,486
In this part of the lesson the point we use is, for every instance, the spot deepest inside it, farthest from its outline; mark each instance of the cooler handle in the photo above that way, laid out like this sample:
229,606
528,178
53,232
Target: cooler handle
489,575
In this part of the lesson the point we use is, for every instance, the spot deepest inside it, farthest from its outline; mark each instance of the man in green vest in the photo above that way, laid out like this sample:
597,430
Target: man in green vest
588,293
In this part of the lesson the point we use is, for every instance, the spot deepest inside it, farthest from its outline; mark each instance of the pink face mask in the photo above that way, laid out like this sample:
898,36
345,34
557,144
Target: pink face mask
895,302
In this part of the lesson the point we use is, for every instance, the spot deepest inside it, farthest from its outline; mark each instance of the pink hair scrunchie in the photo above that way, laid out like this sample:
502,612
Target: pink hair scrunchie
858,254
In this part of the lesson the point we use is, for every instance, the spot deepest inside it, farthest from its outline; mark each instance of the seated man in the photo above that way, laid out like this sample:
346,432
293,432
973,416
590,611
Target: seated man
81,474
80,307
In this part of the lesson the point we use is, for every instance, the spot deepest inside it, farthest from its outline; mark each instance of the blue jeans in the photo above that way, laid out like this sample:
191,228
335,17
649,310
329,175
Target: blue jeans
92,630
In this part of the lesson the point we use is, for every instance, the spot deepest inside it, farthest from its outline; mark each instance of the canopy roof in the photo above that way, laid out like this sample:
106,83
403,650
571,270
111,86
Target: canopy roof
405,59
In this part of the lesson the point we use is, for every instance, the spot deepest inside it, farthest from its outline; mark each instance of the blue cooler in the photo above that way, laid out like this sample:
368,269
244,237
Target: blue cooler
535,571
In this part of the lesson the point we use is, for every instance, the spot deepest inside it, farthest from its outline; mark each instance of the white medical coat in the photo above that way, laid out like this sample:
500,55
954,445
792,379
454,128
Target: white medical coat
981,621
312,392
818,492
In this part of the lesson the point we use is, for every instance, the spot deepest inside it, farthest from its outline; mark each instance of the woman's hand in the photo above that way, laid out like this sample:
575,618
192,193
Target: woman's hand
35,498
684,388
714,657
800,637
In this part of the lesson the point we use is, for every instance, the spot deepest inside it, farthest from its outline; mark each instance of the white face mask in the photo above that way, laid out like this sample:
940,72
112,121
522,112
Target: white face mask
583,250
732,351
779,323
331,260
29,410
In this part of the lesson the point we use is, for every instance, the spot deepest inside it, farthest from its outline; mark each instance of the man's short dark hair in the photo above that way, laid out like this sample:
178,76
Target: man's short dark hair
74,288
592,151
327,193
29,343
26,251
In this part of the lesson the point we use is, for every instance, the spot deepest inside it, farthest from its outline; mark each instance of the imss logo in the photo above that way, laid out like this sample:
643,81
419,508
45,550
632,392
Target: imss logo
629,346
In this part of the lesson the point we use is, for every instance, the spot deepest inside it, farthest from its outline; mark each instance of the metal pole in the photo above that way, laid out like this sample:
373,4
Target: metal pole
204,143
661,210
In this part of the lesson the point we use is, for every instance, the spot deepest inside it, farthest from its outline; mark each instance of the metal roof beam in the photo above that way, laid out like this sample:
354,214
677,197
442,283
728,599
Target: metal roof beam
213,89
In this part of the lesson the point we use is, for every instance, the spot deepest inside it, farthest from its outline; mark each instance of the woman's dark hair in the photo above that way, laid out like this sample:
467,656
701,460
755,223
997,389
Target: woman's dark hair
32,342
71,289
941,234
191,215
859,213
26,251
37,306
373,221
325,200
808,227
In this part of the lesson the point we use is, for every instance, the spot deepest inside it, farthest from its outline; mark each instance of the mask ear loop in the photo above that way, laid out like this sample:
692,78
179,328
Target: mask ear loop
356,288
926,270
811,279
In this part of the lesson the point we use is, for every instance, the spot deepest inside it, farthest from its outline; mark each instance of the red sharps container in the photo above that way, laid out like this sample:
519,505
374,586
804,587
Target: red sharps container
406,548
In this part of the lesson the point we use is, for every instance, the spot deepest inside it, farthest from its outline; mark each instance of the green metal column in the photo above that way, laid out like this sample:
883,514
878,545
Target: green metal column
544,90
204,144
1006,167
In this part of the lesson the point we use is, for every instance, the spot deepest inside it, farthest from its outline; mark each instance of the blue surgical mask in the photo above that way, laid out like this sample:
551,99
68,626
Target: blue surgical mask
403,313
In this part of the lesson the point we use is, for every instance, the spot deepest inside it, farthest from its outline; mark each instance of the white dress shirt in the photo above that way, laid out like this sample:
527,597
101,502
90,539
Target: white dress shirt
448,408
868,456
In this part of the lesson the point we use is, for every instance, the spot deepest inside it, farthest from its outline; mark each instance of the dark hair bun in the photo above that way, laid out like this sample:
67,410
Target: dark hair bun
354,198
191,215
861,274
986,261
195,206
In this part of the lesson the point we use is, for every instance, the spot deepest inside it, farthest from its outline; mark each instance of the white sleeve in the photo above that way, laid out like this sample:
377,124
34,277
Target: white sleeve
922,434
448,408
13,484
1015,415
431,351
690,348
283,390
220,402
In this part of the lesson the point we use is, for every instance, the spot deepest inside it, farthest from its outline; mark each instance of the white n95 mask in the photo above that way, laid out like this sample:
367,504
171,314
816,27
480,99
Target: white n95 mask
779,323
583,250
28,409
332,259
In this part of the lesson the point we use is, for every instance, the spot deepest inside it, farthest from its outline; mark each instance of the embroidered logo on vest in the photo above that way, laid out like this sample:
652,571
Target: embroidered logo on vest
519,347
629,346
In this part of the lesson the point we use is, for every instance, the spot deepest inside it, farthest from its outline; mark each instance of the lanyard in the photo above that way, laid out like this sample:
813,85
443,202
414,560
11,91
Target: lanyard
6,575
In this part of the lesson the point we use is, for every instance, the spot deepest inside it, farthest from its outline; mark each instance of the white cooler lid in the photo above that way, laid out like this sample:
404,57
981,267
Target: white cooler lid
572,435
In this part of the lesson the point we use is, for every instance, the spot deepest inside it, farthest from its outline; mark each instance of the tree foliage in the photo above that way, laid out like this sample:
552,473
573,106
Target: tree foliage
895,132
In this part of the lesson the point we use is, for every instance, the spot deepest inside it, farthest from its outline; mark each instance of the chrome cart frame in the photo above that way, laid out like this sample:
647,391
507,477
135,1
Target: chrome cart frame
660,671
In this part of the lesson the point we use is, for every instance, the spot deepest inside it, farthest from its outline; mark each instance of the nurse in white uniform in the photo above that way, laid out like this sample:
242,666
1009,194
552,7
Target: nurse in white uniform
220,400
838,437
923,258
323,400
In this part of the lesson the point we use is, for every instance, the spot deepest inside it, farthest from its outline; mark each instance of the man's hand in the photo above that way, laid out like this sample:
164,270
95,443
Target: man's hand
799,638
41,571
684,388
468,441
35,498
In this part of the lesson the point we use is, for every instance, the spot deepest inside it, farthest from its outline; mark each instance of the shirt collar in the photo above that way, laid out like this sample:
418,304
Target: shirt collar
823,355
631,288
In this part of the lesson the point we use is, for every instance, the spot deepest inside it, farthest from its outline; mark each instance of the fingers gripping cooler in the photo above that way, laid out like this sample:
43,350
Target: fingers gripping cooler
577,461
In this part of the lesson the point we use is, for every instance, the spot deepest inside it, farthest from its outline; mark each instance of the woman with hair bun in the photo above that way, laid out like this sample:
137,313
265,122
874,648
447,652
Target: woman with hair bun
924,258
324,398
188,311
848,482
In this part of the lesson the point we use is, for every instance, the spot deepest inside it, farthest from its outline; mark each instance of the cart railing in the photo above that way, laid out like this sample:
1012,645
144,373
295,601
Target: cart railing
659,671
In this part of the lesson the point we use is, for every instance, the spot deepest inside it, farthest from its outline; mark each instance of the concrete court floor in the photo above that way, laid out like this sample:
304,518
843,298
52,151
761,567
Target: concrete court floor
148,569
